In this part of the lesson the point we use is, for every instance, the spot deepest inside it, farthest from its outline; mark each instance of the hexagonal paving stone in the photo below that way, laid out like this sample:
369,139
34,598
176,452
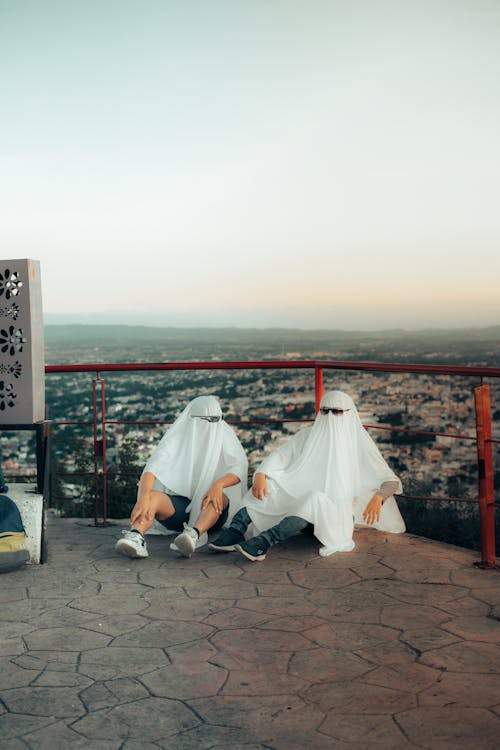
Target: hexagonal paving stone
63,616
10,631
254,639
208,737
475,628
112,662
65,639
182,607
220,589
358,698
110,605
262,574
43,701
318,579
59,736
185,681
242,660
322,664
29,609
277,605
408,677
16,725
267,716
351,636
63,661
68,588
288,591
411,618
107,694
476,578
12,594
350,598
464,657
194,651
262,682
466,606
151,719
427,639
164,634
115,625
451,727
481,690
296,624
234,617
432,594
364,730
53,678
14,676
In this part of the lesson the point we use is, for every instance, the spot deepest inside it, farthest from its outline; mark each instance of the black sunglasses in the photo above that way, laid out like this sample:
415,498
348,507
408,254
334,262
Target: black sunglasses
207,419
333,410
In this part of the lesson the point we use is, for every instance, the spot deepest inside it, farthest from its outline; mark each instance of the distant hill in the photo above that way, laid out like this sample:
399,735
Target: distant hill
123,334
123,343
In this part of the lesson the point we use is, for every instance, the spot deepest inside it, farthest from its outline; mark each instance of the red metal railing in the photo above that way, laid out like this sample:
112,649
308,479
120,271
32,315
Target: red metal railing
483,437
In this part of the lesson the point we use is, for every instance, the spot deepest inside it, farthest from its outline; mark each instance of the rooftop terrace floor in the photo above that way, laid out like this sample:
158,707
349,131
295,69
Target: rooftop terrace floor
394,645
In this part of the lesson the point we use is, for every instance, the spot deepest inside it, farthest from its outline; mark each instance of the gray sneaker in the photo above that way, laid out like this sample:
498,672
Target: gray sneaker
188,541
226,540
132,544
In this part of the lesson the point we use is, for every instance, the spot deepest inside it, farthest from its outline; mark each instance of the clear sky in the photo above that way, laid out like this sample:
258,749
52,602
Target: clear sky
313,163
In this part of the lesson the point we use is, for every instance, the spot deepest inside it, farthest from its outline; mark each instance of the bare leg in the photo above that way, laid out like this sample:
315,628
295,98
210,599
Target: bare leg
162,507
208,517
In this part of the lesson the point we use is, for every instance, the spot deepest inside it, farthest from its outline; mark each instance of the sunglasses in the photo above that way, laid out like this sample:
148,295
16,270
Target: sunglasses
207,419
332,410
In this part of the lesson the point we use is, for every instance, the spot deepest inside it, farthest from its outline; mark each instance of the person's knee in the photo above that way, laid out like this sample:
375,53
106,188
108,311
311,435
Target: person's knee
163,506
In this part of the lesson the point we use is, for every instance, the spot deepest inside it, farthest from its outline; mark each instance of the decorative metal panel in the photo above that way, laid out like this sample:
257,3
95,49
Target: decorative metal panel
22,369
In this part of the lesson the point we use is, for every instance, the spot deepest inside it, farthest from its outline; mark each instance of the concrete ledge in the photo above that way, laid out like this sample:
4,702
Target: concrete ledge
30,505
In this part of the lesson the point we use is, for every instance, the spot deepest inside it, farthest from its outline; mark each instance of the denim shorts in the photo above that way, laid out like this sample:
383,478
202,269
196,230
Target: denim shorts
180,517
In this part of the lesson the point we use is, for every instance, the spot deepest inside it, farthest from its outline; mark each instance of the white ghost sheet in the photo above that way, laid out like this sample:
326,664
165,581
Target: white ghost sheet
195,451
326,474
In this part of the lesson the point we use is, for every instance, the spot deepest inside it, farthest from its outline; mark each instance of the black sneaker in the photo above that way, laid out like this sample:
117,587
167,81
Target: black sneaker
253,549
226,540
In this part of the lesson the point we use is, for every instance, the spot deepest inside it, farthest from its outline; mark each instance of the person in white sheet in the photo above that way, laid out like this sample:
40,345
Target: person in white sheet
197,468
331,475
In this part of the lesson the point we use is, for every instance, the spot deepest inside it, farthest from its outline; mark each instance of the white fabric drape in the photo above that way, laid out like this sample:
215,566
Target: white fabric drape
194,452
326,474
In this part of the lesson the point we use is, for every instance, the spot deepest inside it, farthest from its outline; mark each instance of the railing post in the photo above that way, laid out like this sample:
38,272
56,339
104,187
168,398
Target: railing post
104,460
485,476
318,385
99,450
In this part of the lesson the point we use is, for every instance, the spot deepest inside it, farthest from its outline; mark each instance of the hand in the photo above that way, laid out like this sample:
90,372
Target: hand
259,487
143,510
372,511
215,498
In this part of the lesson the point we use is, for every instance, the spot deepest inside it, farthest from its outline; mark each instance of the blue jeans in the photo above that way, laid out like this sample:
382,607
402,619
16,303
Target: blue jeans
289,526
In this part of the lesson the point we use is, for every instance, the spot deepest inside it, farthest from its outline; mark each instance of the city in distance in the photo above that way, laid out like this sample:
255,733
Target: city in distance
436,465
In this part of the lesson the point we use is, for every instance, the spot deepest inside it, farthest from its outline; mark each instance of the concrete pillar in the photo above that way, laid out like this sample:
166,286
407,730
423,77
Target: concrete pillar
22,366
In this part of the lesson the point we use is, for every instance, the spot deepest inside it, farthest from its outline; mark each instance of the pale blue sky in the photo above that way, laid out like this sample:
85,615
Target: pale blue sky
255,162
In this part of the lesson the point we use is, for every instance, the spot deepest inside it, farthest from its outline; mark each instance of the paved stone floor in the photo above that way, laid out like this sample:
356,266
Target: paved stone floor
394,645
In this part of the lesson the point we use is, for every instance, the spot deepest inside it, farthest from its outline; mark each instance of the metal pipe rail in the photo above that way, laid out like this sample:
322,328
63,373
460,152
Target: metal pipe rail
483,437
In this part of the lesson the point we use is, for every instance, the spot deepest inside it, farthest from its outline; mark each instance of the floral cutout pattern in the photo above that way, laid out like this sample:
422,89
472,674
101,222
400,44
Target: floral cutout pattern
12,341
10,284
7,395
15,369
10,312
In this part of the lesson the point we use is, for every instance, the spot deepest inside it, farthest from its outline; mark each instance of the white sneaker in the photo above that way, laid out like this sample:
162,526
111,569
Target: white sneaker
132,544
188,541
